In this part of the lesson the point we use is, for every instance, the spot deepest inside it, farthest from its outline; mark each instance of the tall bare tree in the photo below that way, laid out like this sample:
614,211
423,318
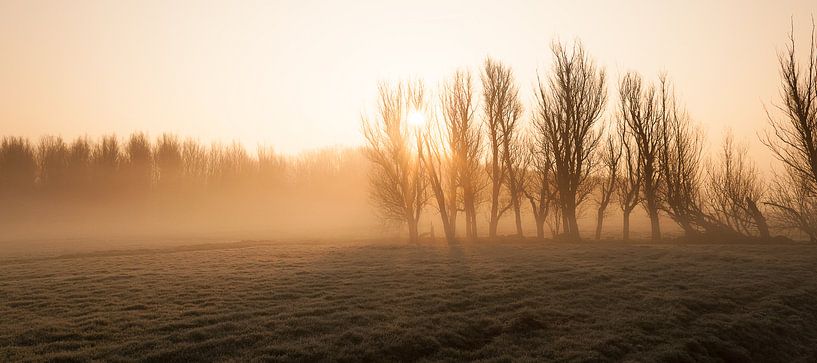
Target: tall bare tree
397,178
502,111
464,142
569,104
628,189
793,140
539,185
640,112
681,149
440,169
609,159
514,159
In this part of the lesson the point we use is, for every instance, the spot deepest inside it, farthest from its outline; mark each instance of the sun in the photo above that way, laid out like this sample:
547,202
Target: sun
416,118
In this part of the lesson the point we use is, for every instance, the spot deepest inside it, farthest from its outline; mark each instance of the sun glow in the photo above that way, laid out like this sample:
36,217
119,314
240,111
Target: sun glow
416,118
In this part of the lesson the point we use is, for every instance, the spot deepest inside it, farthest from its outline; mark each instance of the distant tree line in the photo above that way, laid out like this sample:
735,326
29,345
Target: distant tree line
573,149
172,177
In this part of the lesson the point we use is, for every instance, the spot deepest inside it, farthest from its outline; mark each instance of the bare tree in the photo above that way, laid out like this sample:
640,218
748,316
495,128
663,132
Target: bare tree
107,156
397,178
463,137
569,105
793,141
168,158
195,160
629,183
681,170
138,154
795,204
514,159
610,156
502,111
539,184
440,168
640,112
53,159
734,191
18,166
272,168
79,165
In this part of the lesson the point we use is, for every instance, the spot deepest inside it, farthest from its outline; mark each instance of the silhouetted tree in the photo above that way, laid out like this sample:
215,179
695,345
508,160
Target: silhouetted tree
539,186
272,169
629,182
79,166
138,162
106,158
195,161
793,199
641,115
609,158
569,105
168,158
464,140
681,170
398,185
793,141
440,168
231,166
502,111
53,158
18,167
734,191
514,158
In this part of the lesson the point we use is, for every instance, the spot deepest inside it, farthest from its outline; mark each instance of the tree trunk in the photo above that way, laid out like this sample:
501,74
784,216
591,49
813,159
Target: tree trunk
565,222
473,217
517,210
448,228
599,221
469,233
470,214
626,231
655,224
760,220
572,227
412,229
494,211
540,227
452,210
687,227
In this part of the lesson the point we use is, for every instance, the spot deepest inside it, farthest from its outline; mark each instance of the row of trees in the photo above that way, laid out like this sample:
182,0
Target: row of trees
111,187
108,167
647,153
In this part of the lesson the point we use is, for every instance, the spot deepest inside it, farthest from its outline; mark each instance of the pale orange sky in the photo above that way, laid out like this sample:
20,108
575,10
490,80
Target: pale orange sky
297,75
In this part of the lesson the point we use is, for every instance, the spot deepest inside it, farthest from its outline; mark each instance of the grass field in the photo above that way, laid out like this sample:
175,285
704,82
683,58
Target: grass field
377,301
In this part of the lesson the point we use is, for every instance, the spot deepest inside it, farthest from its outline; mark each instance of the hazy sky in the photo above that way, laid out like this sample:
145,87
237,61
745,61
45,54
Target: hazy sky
298,74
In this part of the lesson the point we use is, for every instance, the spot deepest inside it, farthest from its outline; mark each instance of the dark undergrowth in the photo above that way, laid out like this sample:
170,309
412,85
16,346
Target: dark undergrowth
491,301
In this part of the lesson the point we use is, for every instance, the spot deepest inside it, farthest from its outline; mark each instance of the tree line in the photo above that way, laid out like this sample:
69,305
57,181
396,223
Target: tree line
573,149
112,165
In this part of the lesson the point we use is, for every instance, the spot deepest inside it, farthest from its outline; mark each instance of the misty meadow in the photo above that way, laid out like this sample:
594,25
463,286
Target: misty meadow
475,208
